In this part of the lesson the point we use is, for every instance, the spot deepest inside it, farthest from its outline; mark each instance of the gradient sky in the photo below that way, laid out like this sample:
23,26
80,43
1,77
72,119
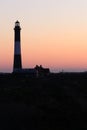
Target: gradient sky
54,33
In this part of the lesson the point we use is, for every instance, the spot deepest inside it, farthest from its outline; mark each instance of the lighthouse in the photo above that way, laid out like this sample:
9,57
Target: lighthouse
17,65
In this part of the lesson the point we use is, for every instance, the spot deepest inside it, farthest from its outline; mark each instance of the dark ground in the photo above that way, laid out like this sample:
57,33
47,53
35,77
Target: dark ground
56,102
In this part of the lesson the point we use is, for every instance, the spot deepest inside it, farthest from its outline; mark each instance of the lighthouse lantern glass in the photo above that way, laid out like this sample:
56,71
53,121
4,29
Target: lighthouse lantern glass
17,24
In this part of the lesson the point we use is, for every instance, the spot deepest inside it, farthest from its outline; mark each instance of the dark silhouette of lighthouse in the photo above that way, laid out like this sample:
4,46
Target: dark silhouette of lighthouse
17,66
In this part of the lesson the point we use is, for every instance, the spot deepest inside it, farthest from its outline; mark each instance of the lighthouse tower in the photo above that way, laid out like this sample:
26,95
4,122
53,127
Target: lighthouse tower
17,66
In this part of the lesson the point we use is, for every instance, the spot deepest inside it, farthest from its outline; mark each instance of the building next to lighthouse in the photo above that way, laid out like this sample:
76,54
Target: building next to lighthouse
17,64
